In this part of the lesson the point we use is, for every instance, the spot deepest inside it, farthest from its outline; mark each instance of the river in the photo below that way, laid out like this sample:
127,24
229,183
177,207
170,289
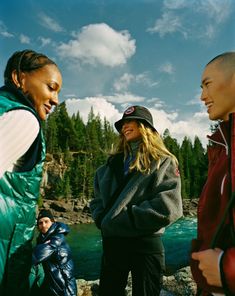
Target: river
85,242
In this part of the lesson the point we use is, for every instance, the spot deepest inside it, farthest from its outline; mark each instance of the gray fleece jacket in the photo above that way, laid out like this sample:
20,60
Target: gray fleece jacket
143,206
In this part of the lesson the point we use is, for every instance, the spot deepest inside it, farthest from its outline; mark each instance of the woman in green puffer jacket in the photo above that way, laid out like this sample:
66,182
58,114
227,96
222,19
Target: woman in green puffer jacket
31,85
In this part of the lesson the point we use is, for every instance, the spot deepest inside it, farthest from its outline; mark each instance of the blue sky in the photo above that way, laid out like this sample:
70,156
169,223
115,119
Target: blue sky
113,54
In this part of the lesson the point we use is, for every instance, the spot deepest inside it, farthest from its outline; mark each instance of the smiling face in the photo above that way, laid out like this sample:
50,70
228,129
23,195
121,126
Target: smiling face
130,130
44,224
218,91
42,87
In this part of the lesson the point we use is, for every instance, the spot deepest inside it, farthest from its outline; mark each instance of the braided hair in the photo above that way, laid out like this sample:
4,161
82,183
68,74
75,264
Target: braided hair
24,61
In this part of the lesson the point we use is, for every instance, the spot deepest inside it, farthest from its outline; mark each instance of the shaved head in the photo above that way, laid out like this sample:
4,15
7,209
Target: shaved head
225,61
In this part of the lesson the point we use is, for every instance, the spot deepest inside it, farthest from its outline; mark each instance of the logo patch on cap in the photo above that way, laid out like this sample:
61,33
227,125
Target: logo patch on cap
129,110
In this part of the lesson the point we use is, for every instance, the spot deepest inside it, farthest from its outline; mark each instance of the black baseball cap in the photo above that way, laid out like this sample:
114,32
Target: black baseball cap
136,112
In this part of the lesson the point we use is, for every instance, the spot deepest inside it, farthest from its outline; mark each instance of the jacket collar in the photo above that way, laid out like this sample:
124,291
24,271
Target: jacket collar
116,164
17,95
221,135
56,228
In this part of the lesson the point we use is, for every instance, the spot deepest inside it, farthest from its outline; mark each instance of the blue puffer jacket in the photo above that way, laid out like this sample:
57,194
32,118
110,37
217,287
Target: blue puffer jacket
55,255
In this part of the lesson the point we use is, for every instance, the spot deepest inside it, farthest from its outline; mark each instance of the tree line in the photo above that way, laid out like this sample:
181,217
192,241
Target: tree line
84,147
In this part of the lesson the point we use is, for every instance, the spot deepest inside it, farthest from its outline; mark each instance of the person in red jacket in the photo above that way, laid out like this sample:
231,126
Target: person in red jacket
213,256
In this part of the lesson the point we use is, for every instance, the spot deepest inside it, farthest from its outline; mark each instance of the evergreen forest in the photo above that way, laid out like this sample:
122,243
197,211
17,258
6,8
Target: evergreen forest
84,147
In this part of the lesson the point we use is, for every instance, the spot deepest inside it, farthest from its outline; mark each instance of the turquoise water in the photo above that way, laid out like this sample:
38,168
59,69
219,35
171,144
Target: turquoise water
85,242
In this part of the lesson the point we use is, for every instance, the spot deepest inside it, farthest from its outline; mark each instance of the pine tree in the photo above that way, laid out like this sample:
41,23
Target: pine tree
66,131
80,130
110,137
186,152
51,133
76,174
95,139
171,143
66,186
199,168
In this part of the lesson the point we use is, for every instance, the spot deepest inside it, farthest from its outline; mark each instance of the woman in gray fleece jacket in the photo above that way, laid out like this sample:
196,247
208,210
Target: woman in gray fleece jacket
136,195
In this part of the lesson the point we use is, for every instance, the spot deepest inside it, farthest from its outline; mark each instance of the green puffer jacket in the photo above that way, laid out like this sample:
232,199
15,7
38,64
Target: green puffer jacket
19,192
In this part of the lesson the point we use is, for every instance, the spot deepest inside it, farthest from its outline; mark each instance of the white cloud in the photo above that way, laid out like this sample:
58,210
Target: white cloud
216,10
167,68
24,39
99,44
210,31
168,23
145,80
120,98
126,79
44,41
100,106
193,102
50,23
4,32
156,103
197,100
176,4
196,125
123,82
197,19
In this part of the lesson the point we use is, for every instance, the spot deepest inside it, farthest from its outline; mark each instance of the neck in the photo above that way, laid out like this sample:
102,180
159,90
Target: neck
134,145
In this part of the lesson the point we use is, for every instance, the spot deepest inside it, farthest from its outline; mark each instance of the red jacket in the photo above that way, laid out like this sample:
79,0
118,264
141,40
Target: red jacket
212,204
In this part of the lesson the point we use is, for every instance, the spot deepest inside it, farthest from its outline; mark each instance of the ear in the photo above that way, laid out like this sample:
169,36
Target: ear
16,78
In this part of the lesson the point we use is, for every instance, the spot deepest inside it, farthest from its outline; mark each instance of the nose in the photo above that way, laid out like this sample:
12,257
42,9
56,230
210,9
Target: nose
125,123
202,97
55,99
203,94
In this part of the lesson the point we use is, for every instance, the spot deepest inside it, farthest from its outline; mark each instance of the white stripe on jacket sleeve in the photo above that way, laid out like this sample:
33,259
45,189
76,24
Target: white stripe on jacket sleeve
18,130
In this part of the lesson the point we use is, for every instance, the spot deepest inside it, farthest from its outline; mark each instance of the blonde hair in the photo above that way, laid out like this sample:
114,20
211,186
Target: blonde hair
151,147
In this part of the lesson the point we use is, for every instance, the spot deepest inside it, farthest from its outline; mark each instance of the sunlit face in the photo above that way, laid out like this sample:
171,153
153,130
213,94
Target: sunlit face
218,92
42,87
44,224
130,130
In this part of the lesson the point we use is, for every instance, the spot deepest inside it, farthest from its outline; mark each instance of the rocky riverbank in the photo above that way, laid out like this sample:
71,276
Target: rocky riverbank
179,284
70,212
78,212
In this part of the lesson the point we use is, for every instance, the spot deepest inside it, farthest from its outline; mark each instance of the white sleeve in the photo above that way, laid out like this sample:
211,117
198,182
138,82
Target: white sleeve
18,130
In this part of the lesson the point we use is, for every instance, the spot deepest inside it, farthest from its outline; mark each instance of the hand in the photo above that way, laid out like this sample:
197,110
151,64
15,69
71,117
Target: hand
208,263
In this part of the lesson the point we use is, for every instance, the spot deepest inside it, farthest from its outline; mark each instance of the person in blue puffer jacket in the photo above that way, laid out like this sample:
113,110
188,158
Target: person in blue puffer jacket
55,255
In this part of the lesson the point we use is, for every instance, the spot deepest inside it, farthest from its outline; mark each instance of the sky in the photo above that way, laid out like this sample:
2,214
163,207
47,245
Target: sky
114,54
